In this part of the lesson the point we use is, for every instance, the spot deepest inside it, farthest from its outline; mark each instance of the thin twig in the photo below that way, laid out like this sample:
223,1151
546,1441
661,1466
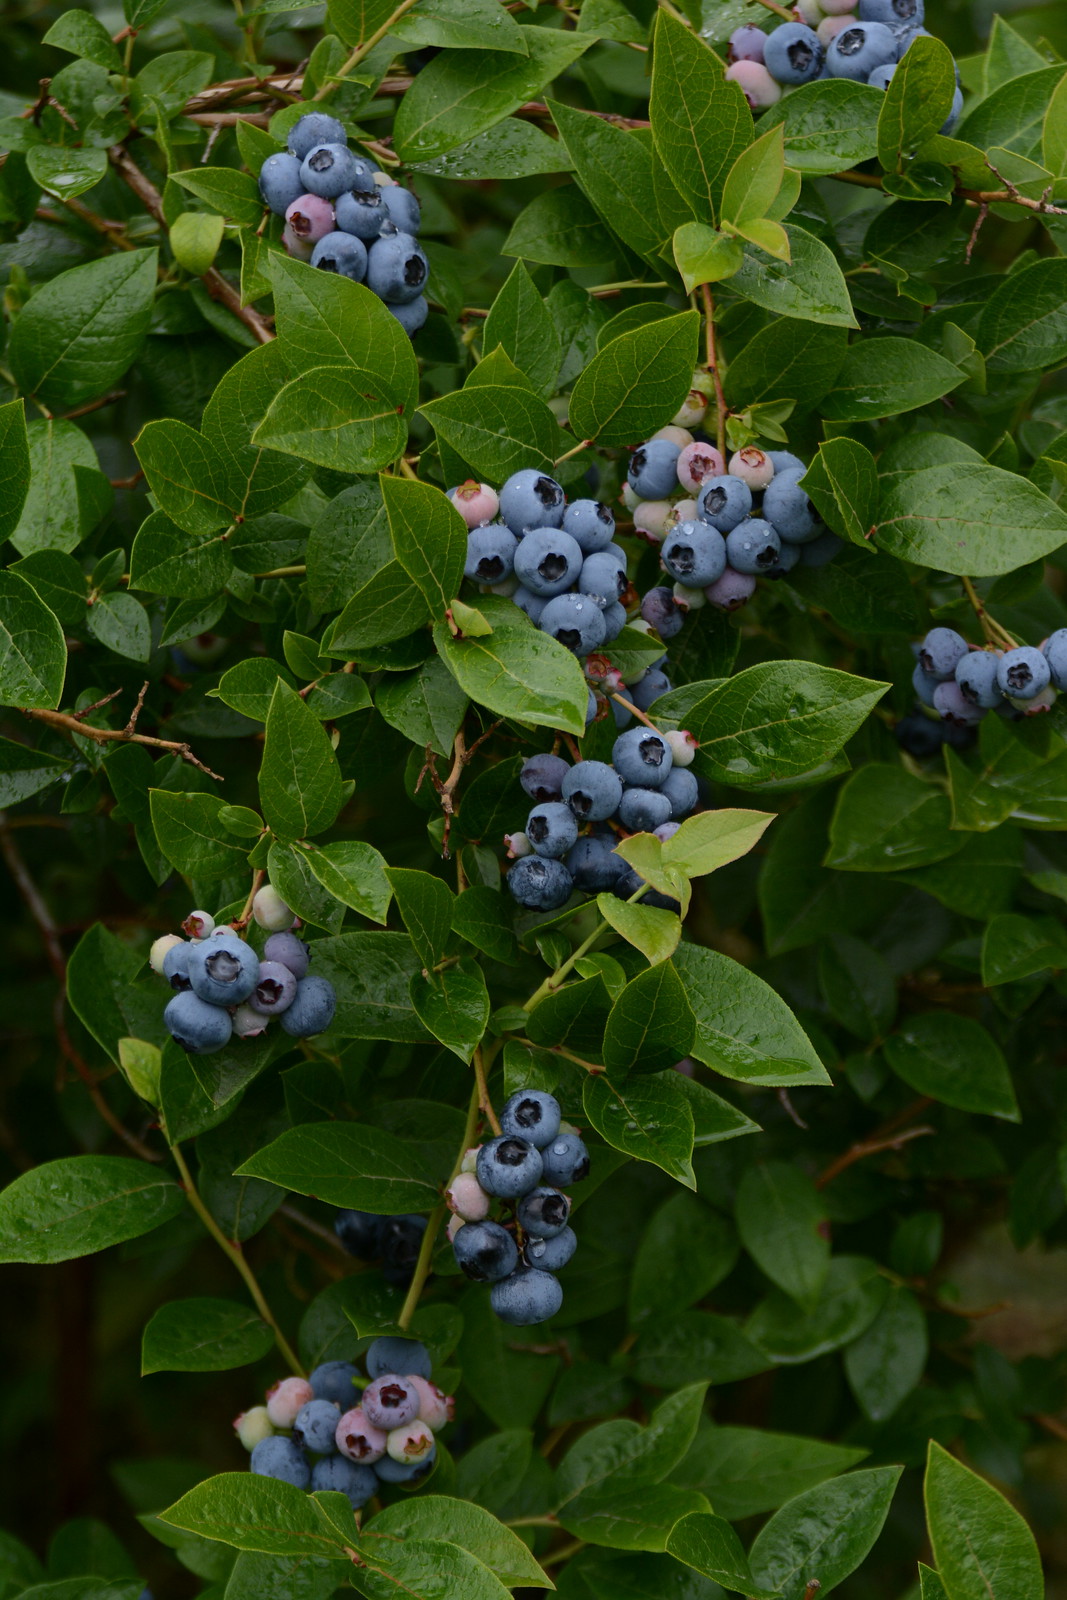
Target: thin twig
713,367
989,625
437,1216
95,405
69,723
870,1147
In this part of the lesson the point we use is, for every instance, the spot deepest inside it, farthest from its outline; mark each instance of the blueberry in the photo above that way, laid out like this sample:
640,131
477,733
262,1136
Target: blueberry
280,182
614,620
390,1471
540,884
551,1254
793,54
532,604
976,674
252,1426
1021,673
290,951
747,43
285,1399
361,213
390,1402
920,736
732,590
893,13
602,579
593,790
642,757
694,553
198,1027
223,969
723,502
402,206
176,966
953,705
360,1232
682,792
788,509
358,1484
564,1161
821,550
397,268
435,1407
591,523
342,253
490,554
593,865
1055,652
548,561
542,777
311,1010
485,1251
543,1212
508,1167
666,830
275,989
531,499
653,469
551,829
859,48
329,170
648,689
332,1380
411,1443
412,314
315,1426
574,620
788,558
924,685
753,547
785,461
314,128
283,1459
531,1114
409,1357
882,76
641,810
632,881
940,651
528,1296
270,910
661,609
401,1242
955,112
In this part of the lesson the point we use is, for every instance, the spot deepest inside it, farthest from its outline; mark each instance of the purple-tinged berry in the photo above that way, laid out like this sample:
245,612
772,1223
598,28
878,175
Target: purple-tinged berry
357,1438
390,1402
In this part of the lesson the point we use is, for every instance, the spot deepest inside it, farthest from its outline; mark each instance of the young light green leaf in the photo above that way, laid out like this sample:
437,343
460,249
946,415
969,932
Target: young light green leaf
711,839
700,120
654,932
704,256
754,180
983,1548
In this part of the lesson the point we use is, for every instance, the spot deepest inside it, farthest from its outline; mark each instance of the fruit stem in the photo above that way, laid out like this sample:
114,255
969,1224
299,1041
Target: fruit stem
258,879
583,444
712,362
640,715
233,1250
437,1216
990,627
482,1085
554,979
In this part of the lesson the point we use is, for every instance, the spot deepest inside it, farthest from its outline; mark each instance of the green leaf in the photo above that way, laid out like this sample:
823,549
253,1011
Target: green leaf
520,323
648,1118
188,476
192,835
786,360
203,1336
744,1029
859,986
82,34
983,1548
650,1026
842,482
654,932
453,1007
68,493
14,461
389,606
1023,326
433,1516
826,1532
884,377
425,1569
195,239
704,256
456,25
917,100
66,173
637,382
1015,947
429,537
427,706
300,790
623,1453
372,974
33,651
709,1545
887,819
614,169
355,20
778,720
783,1226
829,125
745,1471
754,180
426,904
953,1059
345,1164
252,1512
886,1363
231,193
120,623
84,327
574,1015
25,772
685,1250
711,839
632,1519
81,1204
980,523
104,995
1012,116
511,149
481,916
700,120
354,873
331,417
290,872
167,560
810,285
497,429
519,672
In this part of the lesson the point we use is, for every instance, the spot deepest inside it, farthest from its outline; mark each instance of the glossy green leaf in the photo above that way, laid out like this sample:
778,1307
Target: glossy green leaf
354,873
829,125
435,1516
203,1336
497,430
654,932
842,481
648,1118
453,1007
826,1531
331,417
33,651
346,1164
983,1548
887,819
651,1024
917,100
744,1029
953,1059
700,121
78,1205
982,522
810,285
745,1471
299,778
519,672
429,537
636,382
783,1226
886,1363
884,377
709,1544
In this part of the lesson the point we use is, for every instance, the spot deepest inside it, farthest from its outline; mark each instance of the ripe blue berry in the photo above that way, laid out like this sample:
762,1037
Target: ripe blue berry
312,1008
275,989
682,792
694,553
1055,652
920,736
281,1458
551,829
508,1167
574,620
528,1296
893,13
397,268
358,1484
953,705
550,1255
531,1114
342,253
532,604
642,810
564,1161
390,1471
490,554
312,129
753,547
412,314
940,651
591,523
409,1357
955,112
785,461
643,758
661,609
547,561
858,49
653,469
788,509
315,1426
329,170
881,78
401,1242
793,53
976,674
614,620
176,966
723,502
593,790
1022,673
594,865
602,579
280,182
540,884
290,951
223,969
543,1212
360,1232
648,689
924,685
485,1252
531,499
542,777
732,590
361,213
402,206
332,1380
198,1027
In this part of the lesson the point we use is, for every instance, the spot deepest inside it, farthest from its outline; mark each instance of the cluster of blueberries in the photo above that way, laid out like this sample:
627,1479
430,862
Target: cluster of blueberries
223,988
345,215
962,683
536,1156
646,789
742,519
864,41
389,1242
361,1432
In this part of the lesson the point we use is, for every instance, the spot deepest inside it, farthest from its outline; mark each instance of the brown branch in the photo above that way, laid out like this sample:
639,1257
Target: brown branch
983,198
215,284
95,405
462,755
69,723
712,365
869,1147
35,904
1051,1425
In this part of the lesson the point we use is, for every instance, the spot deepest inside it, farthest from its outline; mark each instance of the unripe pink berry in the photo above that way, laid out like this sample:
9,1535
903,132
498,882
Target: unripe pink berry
839,8
411,1443
752,466
518,845
830,27
683,746
435,1407
294,246
476,503
358,1439
252,1426
467,1198
199,925
756,84
675,434
732,590
159,949
284,1400
311,218
271,911
697,462
650,519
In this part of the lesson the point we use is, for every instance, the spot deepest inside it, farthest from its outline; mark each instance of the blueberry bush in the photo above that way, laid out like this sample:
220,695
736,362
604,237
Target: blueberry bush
531,767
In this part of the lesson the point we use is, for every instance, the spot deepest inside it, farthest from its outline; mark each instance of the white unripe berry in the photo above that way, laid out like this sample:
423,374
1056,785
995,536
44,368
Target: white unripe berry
159,949
271,911
683,746
199,925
